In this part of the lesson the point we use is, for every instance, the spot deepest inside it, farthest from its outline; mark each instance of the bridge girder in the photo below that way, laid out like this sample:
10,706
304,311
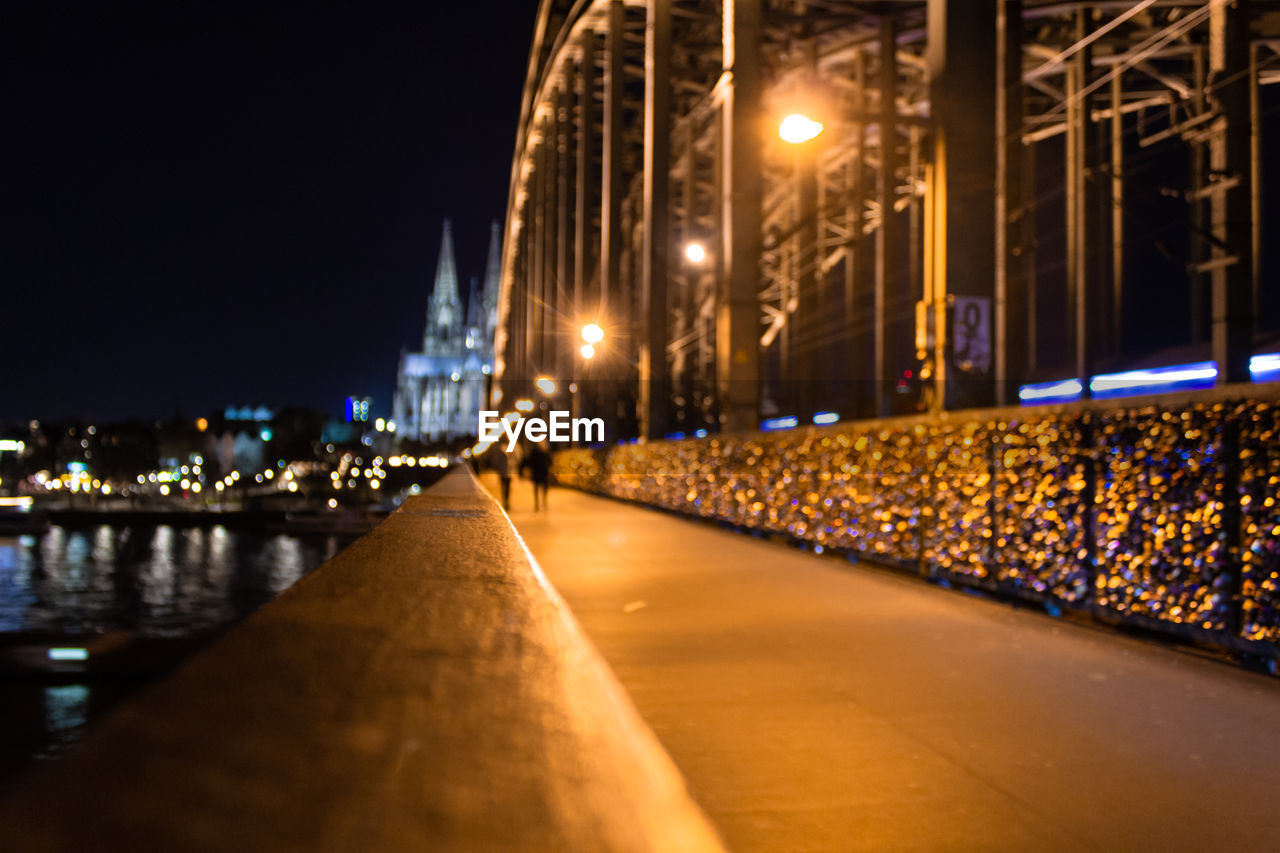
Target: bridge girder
848,276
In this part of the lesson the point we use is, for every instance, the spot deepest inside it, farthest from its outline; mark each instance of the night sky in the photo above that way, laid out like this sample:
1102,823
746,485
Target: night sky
206,204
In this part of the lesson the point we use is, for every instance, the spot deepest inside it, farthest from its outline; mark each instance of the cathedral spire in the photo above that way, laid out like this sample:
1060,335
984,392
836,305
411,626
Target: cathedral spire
475,310
440,390
444,318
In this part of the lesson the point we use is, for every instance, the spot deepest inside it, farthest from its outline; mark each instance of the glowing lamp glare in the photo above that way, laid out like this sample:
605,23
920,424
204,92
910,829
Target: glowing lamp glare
797,128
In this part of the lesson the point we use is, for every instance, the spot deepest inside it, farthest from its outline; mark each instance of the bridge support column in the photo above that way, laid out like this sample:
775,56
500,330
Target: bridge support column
857,332
585,288
683,361
584,196
1011,291
961,262
1231,259
741,196
1084,260
1255,177
1117,215
538,261
611,361
562,334
800,391
547,275
888,236
655,384
517,366
612,195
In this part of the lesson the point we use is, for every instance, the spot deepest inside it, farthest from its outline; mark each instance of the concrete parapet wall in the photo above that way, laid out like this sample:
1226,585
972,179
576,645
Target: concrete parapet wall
1162,512
425,690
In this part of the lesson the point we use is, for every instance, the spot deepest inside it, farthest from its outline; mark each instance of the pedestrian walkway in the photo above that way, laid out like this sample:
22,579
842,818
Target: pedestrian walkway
815,705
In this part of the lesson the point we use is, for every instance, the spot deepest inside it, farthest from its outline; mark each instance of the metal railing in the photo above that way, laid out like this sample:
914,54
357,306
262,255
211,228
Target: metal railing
1161,513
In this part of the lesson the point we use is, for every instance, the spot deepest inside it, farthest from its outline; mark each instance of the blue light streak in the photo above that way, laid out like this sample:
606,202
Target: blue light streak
771,424
1155,380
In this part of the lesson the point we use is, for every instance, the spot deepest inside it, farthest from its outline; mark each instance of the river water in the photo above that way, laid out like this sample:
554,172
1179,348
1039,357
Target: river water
157,581
160,585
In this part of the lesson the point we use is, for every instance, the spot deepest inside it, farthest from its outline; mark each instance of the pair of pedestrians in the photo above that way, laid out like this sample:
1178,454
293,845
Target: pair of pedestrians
537,462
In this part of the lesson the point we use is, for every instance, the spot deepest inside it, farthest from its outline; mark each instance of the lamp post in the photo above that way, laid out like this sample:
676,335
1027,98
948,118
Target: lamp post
798,343
592,335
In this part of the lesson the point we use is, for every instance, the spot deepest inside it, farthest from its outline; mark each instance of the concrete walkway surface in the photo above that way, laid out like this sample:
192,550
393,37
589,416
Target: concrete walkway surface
816,705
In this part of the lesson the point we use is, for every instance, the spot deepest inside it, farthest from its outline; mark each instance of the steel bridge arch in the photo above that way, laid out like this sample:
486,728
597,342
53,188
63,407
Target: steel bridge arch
646,124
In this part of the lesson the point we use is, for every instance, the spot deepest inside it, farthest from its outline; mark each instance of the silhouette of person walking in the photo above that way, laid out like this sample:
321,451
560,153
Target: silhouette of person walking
537,461
502,466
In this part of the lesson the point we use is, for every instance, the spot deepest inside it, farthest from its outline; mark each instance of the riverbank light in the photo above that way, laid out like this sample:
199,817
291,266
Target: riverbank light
525,405
546,385
592,333
798,128
695,253
587,350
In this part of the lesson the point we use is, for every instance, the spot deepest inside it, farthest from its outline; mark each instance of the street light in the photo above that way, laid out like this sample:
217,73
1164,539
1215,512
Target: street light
525,405
592,334
695,253
797,128
546,385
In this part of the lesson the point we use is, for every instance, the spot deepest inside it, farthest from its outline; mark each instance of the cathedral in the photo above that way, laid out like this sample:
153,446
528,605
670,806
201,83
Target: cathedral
439,390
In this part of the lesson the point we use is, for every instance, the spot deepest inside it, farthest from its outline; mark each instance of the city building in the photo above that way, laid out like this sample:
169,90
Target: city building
440,389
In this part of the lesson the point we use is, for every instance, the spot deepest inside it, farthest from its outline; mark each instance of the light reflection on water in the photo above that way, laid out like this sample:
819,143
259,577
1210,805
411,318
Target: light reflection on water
152,581
66,710
157,581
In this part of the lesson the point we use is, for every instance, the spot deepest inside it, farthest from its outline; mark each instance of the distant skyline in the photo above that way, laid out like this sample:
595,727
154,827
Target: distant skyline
214,204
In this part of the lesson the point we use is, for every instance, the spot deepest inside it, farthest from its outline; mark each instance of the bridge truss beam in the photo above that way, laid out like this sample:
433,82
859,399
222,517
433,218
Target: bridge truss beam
833,269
